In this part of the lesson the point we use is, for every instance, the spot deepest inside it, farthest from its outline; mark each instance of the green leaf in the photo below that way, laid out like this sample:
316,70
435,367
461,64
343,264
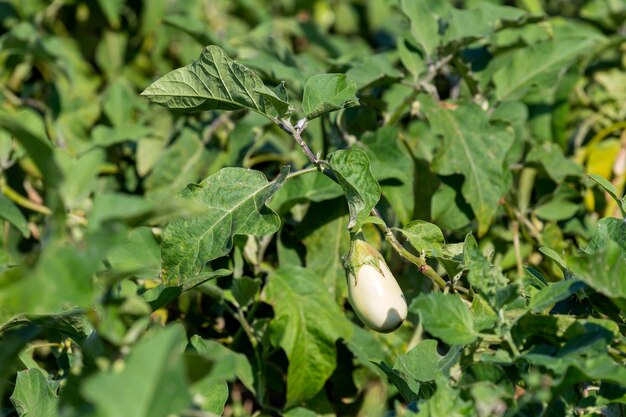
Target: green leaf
12,214
484,277
388,157
557,209
554,162
34,395
34,143
140,254
112,10
236,200
152,382
314,323
424,237
425,17
474,148
61,280
608,229
277,97
323,232
536,65
553,293
480,21
422,363
446,317
352,168
227,365
446,401
214,81
372,68
80,175
610,188
604,270
554,256
325,93
179,165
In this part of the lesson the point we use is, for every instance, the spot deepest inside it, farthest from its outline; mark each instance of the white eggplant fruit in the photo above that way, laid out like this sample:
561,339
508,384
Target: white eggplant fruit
373,291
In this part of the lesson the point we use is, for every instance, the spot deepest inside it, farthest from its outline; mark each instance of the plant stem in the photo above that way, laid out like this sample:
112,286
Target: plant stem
17,198
424,268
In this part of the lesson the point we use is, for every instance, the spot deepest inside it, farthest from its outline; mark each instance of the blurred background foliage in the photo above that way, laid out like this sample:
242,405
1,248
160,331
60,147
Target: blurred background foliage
88,169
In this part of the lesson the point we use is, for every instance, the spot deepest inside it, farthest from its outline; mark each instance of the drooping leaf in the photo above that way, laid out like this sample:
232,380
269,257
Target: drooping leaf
314,322
153,368
324,93
553,293
474,148
277,97
610,188
446,317
34,395
12,214
352,169
235,199
213,81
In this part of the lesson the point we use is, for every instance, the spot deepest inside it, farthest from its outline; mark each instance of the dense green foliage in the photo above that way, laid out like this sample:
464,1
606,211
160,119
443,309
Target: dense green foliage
180,181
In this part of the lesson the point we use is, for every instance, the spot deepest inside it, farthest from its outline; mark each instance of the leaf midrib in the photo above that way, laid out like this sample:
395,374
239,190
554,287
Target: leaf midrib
196,243
457,129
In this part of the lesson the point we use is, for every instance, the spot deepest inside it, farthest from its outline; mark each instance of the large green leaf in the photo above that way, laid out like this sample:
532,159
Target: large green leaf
309,323
34,395
536,65
152,382
446,317
213,81
324,93
235,199
352,169
474,148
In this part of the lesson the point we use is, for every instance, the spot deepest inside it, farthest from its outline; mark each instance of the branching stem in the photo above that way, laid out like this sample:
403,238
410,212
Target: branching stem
323,166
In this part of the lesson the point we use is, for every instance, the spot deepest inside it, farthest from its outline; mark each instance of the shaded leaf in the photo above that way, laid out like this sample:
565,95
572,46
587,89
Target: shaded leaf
537,64
236,200
553,293
314,322
352,169
324,93
34,395
446,317
474,148
152,383
12,214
